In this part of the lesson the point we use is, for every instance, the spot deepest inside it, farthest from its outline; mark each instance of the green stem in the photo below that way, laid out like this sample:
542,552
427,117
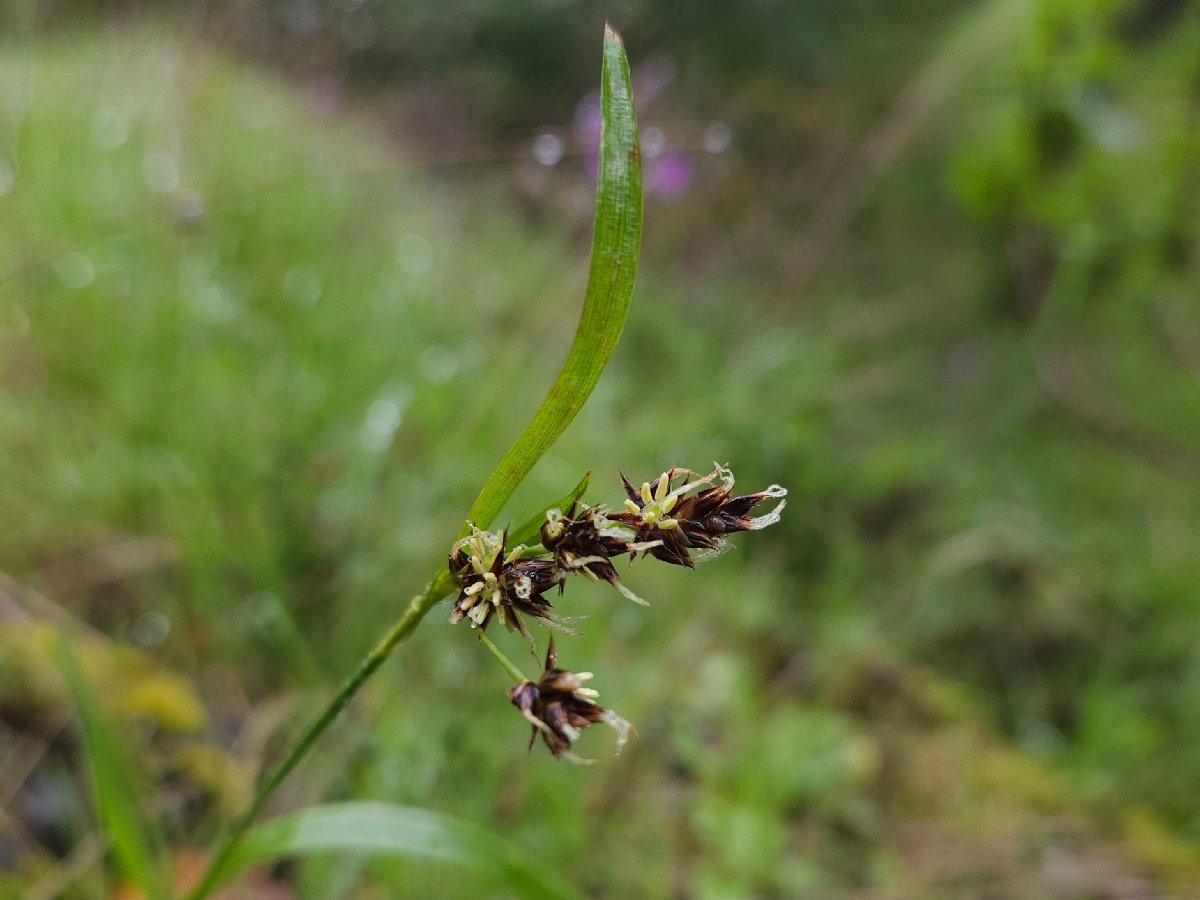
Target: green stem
508,664
420,605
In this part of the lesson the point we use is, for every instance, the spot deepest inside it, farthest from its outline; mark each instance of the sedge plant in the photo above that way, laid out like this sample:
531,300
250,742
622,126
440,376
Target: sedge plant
677,517
616,245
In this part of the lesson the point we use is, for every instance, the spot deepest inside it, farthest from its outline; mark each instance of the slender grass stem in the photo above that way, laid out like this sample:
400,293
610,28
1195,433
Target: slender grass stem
404,626
508,664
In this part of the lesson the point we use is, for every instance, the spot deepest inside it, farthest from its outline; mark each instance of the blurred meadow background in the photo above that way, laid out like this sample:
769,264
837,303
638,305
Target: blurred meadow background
280,280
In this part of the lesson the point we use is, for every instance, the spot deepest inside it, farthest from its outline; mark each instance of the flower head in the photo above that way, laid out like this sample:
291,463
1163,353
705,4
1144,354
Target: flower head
673,520
495,583
584,540
559,707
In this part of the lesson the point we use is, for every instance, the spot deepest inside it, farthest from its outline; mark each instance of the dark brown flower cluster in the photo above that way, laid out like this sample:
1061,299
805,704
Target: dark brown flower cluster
583,540
559,707
493,583
679,518
671,522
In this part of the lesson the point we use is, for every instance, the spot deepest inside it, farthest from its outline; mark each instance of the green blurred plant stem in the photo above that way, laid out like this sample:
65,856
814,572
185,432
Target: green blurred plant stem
509,666
404,626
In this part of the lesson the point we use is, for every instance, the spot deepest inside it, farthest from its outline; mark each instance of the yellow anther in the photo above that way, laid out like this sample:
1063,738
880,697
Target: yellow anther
646,495
664,485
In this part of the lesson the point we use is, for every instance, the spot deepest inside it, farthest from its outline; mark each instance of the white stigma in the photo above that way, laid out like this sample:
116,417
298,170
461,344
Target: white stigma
773,492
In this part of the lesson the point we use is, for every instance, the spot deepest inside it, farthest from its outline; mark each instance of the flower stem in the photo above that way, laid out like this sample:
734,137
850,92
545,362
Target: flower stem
404,626
508,664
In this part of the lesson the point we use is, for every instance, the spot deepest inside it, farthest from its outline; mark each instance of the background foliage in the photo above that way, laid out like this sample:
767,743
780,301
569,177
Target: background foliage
274,296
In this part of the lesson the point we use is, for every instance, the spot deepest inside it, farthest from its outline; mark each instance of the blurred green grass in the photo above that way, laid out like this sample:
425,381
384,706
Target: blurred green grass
255,367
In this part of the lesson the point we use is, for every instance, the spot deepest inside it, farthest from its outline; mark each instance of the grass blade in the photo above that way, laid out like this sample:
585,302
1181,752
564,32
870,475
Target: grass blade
386,829
616,242
112,778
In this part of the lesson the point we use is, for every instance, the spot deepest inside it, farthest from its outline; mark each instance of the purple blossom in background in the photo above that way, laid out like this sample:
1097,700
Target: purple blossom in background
587,120
670,175
667,174
587,131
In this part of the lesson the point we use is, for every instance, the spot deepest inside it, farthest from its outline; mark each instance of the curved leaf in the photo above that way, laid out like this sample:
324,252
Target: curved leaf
386,829
616,242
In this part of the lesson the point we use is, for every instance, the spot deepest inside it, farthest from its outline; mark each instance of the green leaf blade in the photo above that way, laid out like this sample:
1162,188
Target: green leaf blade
616,244
138,849
391,830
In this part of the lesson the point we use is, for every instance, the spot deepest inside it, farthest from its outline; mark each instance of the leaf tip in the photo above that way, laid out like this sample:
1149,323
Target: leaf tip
611,35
